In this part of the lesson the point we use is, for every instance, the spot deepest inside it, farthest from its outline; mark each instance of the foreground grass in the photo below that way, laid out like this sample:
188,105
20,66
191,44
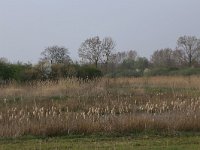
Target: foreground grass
108,106
136,143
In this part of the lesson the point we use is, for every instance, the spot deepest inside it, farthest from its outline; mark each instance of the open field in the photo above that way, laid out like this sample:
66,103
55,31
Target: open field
139,143
126,105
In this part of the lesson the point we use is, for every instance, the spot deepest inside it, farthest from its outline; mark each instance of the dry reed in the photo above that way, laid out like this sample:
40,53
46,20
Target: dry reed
122,105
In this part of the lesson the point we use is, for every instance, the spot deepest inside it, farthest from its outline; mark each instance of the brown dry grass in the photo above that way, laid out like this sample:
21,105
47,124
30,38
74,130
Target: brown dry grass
123,105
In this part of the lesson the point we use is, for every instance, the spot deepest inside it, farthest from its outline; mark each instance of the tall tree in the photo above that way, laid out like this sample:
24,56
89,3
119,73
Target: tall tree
141,63
91,50
56,55
191,46
4,60
163,58
107,46
180,59
132,55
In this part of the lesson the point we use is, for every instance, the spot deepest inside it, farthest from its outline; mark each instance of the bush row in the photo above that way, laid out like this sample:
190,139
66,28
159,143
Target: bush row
27,72
173,72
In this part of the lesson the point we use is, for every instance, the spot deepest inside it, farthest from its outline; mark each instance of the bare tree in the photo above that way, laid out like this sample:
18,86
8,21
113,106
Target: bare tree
91,50
191,46
107,46
132,55
4,60
163,58
180,58
56,55
120,57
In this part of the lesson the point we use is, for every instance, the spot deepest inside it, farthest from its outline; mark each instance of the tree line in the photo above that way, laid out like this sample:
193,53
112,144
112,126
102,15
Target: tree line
99,57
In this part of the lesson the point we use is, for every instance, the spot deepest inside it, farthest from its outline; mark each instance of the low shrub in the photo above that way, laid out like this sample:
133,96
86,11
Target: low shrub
125,73
88,73
173,72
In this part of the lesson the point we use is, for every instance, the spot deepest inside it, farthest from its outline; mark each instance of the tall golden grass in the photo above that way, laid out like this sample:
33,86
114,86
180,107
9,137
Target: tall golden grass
121,105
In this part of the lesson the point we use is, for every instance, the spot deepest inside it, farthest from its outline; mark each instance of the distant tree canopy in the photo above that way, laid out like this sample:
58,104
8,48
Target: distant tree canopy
190,45
90,50
108,46
163,58
56,55
141,63
99,57
187,53
94,50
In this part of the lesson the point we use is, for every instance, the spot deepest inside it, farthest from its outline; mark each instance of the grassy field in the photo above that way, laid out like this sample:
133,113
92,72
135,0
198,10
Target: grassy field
139,143
122,106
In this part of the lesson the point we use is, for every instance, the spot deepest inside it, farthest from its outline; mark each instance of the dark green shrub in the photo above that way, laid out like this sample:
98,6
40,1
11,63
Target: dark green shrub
188,71
173,72
161,71
6,72
88,73
125,73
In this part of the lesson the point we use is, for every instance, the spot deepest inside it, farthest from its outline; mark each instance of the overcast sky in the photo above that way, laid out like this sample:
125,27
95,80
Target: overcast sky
28,26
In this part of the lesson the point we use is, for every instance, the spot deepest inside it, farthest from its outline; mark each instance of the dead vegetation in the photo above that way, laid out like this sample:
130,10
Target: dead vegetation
121,105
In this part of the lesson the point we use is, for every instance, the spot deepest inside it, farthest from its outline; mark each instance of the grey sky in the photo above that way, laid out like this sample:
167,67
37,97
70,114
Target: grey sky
28,26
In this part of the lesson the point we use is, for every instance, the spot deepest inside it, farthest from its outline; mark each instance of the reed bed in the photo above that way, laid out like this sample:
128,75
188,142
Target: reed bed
121,105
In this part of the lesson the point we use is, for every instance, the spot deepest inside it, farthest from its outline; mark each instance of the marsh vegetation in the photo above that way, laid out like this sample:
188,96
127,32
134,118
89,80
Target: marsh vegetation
104,106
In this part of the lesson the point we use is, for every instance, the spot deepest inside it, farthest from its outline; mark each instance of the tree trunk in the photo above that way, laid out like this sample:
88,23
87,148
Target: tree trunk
96,63
190,59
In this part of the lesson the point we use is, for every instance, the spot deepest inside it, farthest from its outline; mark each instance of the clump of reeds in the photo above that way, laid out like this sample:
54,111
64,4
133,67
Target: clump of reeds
106,106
